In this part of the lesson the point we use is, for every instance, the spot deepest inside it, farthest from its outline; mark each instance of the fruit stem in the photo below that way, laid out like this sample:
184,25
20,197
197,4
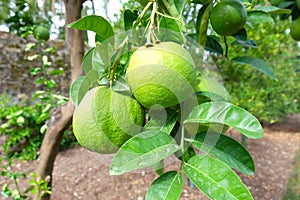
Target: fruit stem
168,16
226,47
182,143
117,60
136,23
151,26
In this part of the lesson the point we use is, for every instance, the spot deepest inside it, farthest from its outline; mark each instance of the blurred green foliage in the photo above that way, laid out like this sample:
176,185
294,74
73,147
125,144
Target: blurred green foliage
22,128
269,100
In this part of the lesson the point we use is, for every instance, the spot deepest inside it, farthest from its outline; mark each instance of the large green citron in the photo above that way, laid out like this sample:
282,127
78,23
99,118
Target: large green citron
163,74
295,29
228,17
105,119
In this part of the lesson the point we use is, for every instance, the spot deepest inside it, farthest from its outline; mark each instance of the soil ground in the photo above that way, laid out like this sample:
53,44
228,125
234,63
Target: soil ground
80,174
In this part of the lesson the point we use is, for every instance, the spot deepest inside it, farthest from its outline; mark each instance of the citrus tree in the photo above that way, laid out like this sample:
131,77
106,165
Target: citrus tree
152,96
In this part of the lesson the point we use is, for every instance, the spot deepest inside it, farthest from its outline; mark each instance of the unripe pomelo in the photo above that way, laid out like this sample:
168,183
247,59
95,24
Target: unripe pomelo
105,119
295,29
41,33
228,17
163,74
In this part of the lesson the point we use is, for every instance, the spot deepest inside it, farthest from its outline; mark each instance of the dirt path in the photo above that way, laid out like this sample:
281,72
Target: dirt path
79,174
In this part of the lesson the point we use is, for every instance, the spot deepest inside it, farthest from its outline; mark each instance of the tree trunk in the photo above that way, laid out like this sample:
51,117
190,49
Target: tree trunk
62,121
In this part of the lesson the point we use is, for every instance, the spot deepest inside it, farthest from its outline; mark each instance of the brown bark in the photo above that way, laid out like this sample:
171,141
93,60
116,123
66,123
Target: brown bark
62,121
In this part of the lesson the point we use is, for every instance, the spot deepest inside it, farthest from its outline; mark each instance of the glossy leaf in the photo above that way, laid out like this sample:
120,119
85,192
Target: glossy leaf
166,187
212,45
143,150
202,23
74,90
95,23
228,114
129,17
257,64
96,58
162,121
170,8
225,149
180,4
247,43
81,86
215,179
121,86
159,167
170,31
241,36
207,96
273,10
87,60
258,17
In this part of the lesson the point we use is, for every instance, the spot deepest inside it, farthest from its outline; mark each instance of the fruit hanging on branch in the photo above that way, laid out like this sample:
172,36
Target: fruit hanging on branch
105,119
41,33
163,74
228,17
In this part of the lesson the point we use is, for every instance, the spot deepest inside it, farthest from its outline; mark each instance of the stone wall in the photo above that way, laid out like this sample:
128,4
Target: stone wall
15,78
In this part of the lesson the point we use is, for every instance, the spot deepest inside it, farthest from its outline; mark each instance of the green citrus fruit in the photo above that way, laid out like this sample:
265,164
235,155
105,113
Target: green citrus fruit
228,17
105,119
298,3
295,29
41,33
163,74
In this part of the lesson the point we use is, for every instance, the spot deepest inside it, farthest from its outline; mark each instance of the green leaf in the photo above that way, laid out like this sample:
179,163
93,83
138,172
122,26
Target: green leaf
170,8
97,24
225,149
87,59
121,86
180,4
213,45
166,187
247,43
56,72
257,64
129,17
273,10
206,96
228,114
215,179
143,150
162,121
35,71
159,167
170,31
74,90
202,23
203,2
81,85
188,153
241,36
96,58
258,17
101,58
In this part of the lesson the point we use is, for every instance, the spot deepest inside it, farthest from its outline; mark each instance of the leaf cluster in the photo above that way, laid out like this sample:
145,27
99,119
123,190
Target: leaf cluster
206,155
